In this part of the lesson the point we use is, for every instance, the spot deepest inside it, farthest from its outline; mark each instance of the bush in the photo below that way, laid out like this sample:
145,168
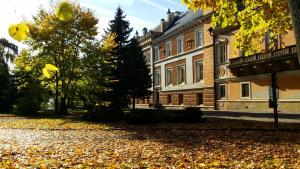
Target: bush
144,116
27,106
141,116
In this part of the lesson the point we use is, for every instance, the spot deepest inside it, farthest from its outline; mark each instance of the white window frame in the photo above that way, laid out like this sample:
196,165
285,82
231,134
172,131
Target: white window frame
166,75
168,43
241,90
225,52
159,77
196,40
219,91
195,70
184,74
182,46
156,53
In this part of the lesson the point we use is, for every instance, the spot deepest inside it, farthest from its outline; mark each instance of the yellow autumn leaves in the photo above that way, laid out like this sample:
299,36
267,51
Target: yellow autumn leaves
20,31
49,70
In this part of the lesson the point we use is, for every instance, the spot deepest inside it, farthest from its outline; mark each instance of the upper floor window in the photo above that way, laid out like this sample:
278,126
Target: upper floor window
156,53
168,76
199,38
169,49
222,52
245,90
157,78
181,74
199,71
179,45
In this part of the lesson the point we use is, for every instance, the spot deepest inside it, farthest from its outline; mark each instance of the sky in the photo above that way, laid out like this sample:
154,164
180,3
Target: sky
140,13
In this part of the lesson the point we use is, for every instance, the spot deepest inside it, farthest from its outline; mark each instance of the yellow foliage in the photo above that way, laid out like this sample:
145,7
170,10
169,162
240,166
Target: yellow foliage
19,31
49,69
254,19
64,11
109,42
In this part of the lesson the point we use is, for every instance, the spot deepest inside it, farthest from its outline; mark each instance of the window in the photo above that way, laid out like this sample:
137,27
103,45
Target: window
157,78
181,74
180,99
169,99
245,87
199,39
179,45
156,53
222,91
199,73
169,49
168,77
199,98
222,53
268,41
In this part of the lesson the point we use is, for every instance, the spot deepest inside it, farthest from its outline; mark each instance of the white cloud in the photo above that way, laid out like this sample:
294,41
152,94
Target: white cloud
163,8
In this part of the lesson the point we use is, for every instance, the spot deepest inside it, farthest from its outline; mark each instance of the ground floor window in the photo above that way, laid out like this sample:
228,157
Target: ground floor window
199,98
222,91
245,90
180,99
169,99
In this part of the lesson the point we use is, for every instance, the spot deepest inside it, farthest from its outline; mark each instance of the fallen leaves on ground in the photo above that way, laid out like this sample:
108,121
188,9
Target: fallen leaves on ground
64,143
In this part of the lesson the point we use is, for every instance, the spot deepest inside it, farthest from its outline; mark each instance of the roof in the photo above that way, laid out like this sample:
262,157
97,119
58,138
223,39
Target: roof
183,19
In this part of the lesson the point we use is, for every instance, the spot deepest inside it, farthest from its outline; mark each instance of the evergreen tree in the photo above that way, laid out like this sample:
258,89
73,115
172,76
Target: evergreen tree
137,74
121,28
7,90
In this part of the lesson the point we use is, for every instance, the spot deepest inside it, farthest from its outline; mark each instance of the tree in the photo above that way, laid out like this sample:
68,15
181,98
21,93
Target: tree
8,51
137,77
120,27
254,19
27,75
64,41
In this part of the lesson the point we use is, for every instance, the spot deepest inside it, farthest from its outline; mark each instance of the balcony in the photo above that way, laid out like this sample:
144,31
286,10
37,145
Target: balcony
274,61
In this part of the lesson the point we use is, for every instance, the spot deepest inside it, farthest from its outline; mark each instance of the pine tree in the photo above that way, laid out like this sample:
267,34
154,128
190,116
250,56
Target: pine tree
121,28
137,74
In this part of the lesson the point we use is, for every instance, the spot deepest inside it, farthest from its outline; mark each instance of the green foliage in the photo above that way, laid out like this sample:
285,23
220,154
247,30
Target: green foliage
70,44
254,19
7,88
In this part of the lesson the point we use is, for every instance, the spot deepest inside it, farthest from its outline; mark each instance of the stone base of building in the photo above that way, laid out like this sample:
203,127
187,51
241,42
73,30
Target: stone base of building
286,106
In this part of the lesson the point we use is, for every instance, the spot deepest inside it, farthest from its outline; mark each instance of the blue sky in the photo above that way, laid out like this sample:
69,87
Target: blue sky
140,13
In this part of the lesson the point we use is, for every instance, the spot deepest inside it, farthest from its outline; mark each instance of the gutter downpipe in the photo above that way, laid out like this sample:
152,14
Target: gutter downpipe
214,36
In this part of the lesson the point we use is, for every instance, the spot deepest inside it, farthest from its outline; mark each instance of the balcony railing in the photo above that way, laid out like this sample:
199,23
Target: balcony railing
288,51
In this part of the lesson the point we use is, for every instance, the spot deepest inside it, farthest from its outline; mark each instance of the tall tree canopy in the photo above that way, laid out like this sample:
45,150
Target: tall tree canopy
66,40
137,75
121,28
254,18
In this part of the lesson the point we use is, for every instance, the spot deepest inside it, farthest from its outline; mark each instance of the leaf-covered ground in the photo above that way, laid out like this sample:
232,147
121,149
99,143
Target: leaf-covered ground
215,143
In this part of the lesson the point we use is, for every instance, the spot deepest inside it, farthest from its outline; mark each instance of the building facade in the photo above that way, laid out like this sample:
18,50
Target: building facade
193,65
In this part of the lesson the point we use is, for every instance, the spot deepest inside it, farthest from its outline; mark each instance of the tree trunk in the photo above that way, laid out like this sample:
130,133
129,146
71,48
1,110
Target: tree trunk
56,94
294,6
133,102
63,105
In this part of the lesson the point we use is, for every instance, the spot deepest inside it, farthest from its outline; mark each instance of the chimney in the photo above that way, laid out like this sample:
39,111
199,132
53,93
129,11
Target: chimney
169,15
145,30
162,25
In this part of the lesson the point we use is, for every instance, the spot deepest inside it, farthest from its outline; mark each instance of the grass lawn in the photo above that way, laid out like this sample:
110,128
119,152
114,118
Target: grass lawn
214,143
